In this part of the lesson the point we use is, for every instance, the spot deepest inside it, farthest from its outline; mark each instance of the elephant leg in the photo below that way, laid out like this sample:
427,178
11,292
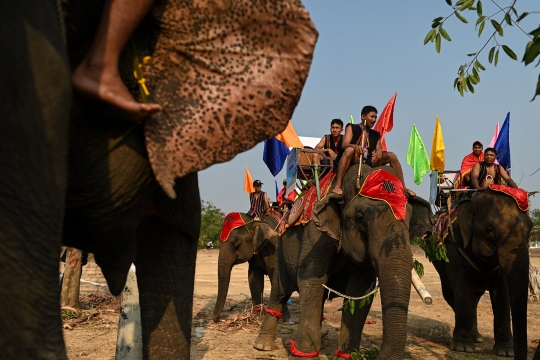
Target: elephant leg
500,303
475,334
465,316
282,289
352,324
256,285
165,261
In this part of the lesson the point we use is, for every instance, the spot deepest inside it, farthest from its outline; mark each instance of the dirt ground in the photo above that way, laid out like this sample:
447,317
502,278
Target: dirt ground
429,326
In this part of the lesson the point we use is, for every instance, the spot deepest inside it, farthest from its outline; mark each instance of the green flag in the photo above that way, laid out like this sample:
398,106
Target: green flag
351,120
417,156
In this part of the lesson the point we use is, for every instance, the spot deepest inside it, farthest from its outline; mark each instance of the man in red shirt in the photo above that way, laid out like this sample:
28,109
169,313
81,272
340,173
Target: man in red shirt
477,155
286,200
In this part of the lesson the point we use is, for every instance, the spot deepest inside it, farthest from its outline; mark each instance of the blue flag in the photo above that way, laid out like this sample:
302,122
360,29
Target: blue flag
277,189
502,145
274,155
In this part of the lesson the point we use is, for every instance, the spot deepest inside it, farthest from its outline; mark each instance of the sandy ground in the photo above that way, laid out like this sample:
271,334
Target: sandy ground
429,331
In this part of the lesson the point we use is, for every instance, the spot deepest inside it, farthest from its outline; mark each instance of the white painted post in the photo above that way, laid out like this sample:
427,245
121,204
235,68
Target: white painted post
129,340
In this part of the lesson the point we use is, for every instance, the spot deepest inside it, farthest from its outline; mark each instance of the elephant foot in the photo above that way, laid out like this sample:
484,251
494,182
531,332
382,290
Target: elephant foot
463,345
503,348
477,338
264,343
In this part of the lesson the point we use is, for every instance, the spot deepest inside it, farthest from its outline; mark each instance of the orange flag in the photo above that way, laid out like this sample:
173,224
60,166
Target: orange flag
248,182
289,137
386,121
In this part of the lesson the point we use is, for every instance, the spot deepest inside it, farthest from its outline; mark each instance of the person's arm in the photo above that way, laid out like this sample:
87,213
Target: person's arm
347,141
267,202
475,172
507,177
378,152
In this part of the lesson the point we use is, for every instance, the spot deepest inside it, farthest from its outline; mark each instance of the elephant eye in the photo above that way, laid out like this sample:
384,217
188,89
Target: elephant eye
490,232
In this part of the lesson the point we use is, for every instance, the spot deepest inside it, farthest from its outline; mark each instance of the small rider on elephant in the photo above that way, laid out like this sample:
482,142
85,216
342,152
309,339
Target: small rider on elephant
331,144
259,202
372,153
487,172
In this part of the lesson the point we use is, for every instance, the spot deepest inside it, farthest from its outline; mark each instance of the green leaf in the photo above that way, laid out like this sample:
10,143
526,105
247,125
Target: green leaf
472,80
491,54
353,305
496,57
497,27
444,34
460,17
522,16
460,89
535,32
479,8
537,89
449,2
456,82
428,36
438,43
460,2
466,4
481,28
438,19
532,51
471,54
464,83
509,52
508,19
479,65
476,75
480,19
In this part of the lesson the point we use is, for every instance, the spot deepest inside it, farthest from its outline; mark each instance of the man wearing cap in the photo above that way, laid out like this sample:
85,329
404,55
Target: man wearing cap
286,200
467,164
259,202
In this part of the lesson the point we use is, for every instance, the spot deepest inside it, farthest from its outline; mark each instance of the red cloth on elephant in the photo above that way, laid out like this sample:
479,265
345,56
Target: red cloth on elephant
342,354
520,195
441,226
385,186
302,208
232,221
298,353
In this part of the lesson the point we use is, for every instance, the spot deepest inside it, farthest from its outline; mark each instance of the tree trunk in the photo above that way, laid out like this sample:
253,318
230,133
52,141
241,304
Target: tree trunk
72,276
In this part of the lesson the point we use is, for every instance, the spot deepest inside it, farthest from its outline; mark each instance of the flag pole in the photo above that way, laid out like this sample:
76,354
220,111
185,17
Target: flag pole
359,175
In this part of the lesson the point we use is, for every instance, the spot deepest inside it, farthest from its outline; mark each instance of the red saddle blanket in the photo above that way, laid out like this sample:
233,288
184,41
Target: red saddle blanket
441,226
520,195
302,208
385,186
232,221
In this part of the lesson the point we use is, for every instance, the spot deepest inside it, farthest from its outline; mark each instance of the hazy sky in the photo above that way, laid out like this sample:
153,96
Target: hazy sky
368,50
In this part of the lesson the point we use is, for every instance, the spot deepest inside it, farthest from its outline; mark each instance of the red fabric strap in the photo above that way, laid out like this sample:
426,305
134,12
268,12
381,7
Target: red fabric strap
298,353
275,313
342,354
256,309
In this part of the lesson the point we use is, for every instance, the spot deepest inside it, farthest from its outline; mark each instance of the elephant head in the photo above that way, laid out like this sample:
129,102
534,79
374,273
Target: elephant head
497,232
255,238
227,73
422,218
371,233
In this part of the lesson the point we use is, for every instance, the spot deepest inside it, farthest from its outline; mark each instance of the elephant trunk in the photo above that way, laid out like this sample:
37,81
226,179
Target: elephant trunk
395,283
517,275
225,265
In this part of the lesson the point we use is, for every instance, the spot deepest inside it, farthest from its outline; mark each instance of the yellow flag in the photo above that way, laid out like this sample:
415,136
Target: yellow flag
248,182
437,148
289,137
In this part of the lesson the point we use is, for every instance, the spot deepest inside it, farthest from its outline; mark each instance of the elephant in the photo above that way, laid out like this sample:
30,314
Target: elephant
77,172
349,242
487,250
254,242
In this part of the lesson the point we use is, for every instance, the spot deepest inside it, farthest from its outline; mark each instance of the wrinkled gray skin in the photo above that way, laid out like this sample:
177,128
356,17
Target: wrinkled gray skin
373,244
35,97
255,243
493,232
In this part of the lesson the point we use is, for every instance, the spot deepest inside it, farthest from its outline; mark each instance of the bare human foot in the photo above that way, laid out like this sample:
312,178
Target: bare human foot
337,190
97,83
410,192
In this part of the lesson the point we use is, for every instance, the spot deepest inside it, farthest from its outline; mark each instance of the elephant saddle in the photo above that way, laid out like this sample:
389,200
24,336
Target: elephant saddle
232,221
302,208
520,195
385,186
441,226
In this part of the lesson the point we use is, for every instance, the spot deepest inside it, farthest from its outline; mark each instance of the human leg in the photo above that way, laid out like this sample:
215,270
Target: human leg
344,164
97,75
391,158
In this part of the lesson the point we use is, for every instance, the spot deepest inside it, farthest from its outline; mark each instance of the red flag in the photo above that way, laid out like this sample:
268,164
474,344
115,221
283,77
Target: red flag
386,121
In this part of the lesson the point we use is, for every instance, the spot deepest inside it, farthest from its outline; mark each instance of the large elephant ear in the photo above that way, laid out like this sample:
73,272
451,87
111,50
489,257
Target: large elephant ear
228,74
327,215
465,221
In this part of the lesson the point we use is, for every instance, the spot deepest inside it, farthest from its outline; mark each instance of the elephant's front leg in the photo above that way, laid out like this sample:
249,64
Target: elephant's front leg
352,324
256,285
500,303
465,313
166,253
